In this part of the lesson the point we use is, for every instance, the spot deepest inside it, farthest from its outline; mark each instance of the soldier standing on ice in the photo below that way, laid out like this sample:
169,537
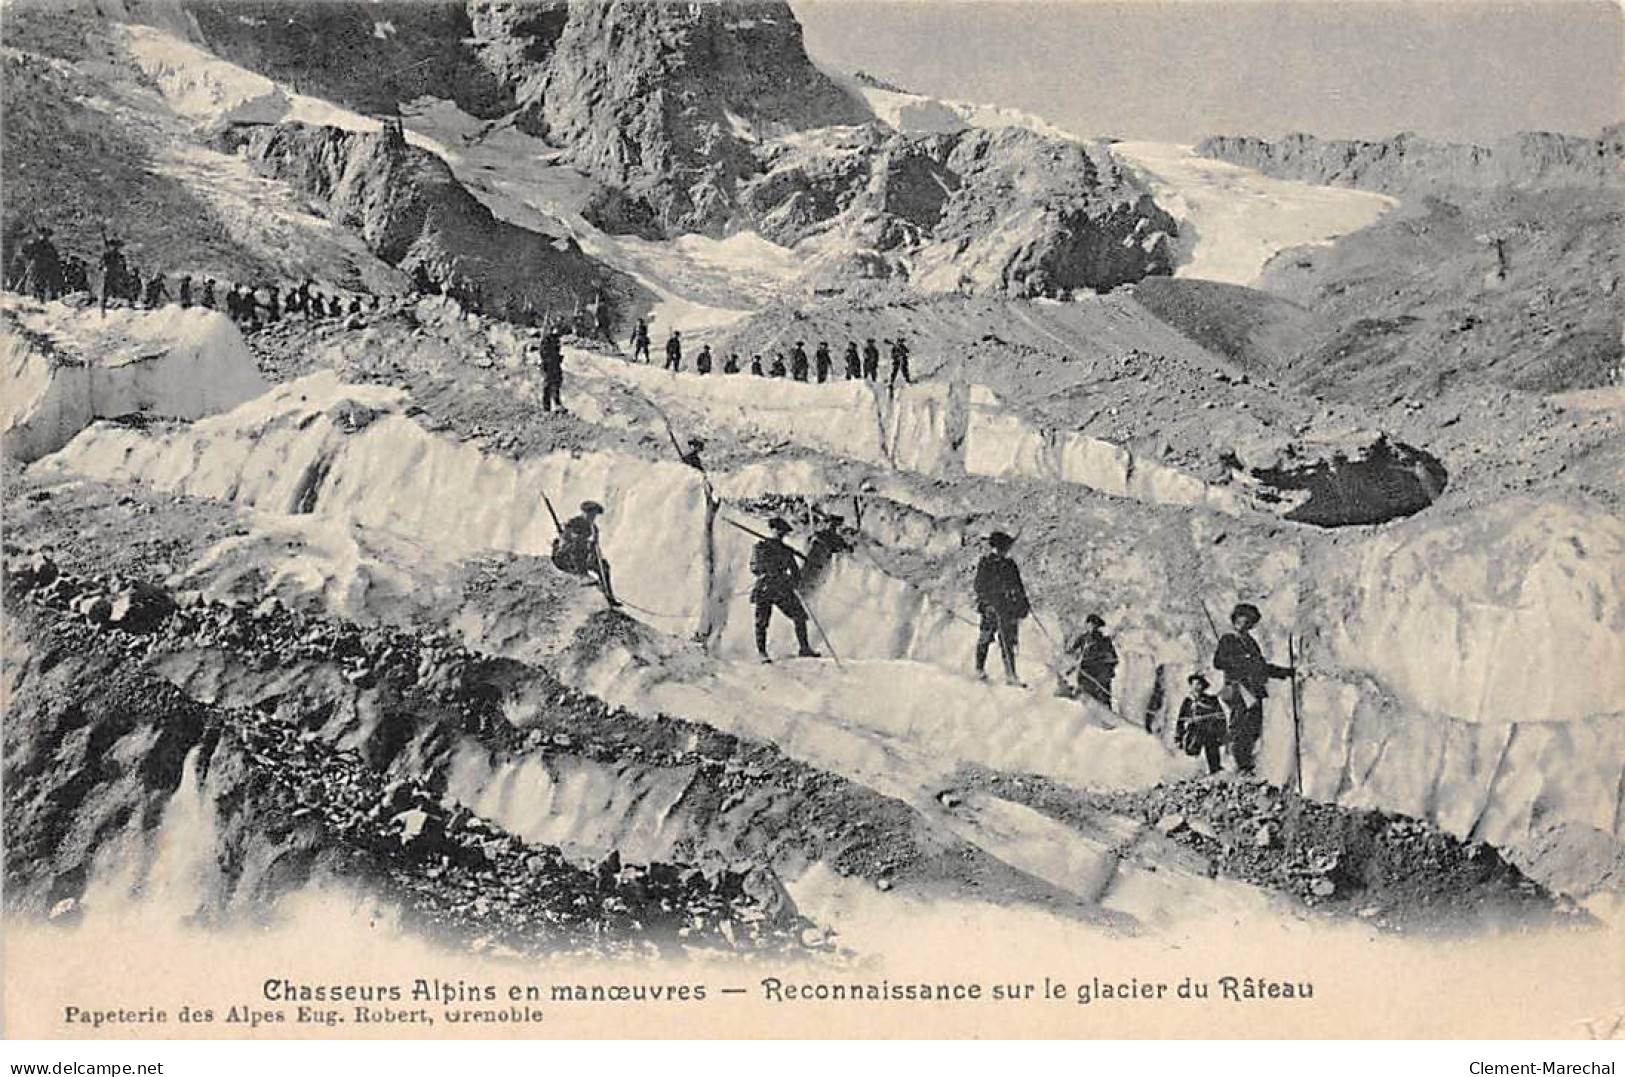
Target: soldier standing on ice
674,352
854,365
798,362
821,362
702,361
871,360
552,371
42,267
1200,728
1001,599
113,269
899,363
1246,683
778,578
640,340
576,550
75,276
1094,661
157,292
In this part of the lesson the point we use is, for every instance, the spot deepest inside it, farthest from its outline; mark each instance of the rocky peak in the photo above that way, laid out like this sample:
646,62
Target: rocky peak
665,100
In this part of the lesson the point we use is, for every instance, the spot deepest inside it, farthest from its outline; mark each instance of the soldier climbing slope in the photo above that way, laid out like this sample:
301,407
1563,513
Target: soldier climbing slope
871,360
1246,683
674,352
576,550
186,290
552,371
821,362
1094,661
691,456
778,580
1200,727
1001,599
640,340
854,366
899,363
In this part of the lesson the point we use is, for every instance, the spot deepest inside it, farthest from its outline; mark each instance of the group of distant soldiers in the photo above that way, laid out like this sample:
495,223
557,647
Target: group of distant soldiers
39,269
819,367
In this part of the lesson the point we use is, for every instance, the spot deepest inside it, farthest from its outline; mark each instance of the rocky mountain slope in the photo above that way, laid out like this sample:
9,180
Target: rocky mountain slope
1409,164
704,119
1005,211
411,211
1500,266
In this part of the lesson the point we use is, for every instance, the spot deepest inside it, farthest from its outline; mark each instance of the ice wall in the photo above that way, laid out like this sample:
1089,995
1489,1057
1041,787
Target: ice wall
61,369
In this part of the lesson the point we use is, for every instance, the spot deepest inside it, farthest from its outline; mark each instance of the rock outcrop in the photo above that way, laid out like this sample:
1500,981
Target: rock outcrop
411,211
1408,163
1005,211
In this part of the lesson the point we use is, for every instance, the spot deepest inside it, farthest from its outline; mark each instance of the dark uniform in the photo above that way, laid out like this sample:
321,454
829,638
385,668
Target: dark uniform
1200,728
777,369
702,361
576,549
899,362
1094,662
42,267
821,362
777,580
186,290
1001,599
798,362
756,366
854,365
826,542
1246,684
692,456
552,372
871,360
208,293
731,364
674,352
640,340
157,292
113,271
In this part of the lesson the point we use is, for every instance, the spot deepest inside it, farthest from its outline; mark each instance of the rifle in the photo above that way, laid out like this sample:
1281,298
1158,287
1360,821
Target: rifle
811,616
1212,627
558,527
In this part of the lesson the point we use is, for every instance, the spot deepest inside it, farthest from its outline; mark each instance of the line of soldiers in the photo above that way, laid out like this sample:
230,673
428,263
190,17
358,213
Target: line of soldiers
1206,722
40,270
818,367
